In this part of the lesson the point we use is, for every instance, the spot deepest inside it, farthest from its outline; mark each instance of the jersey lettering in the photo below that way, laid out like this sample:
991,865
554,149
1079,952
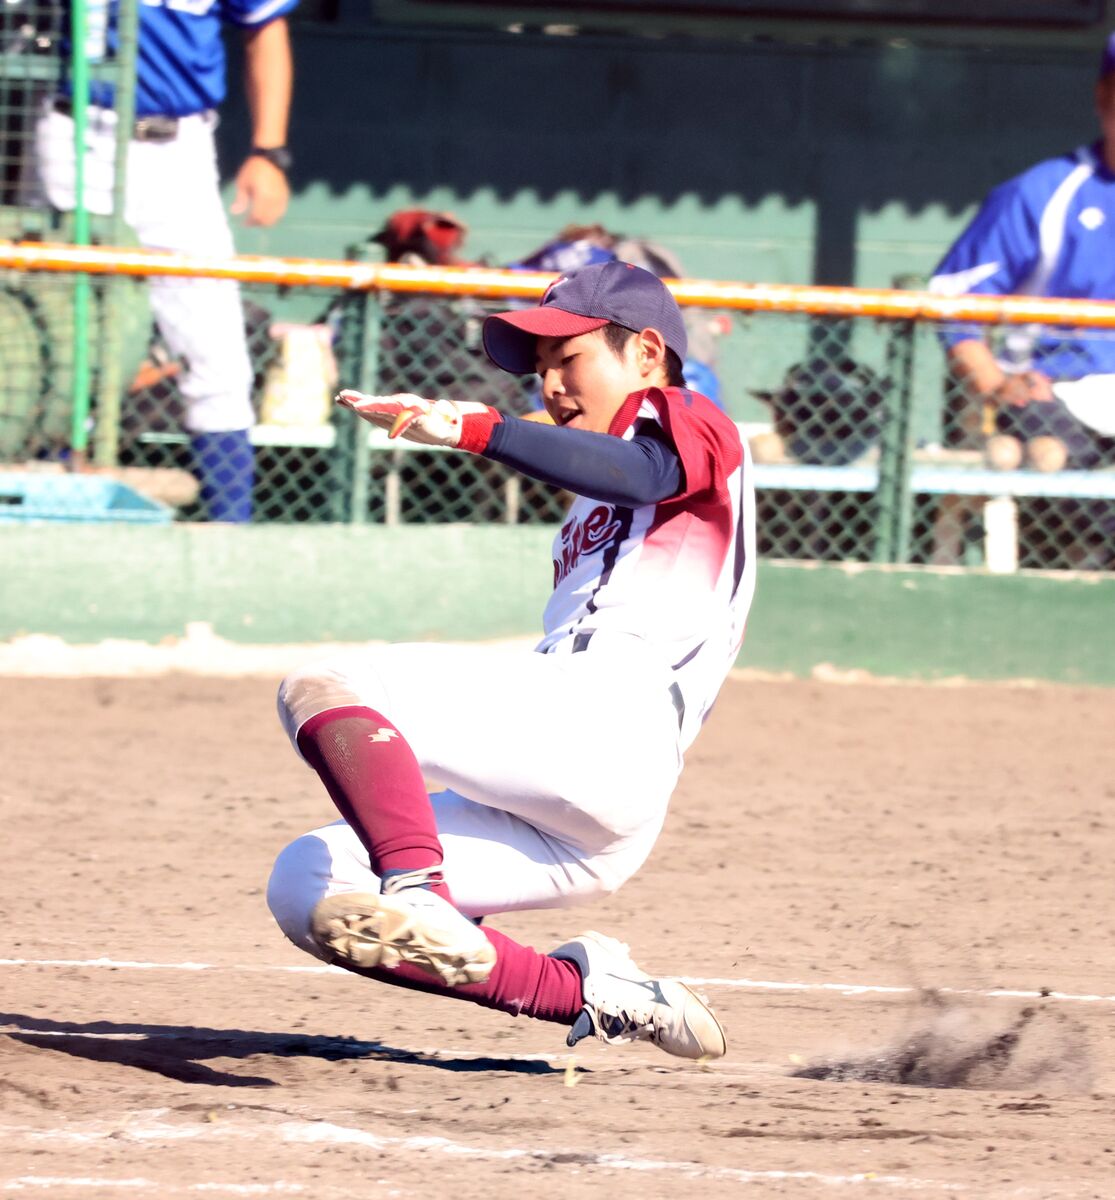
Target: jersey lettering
582,537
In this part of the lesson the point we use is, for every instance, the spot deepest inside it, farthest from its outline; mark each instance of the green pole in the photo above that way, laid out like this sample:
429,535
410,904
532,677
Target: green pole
79,431
359,363
371,329
111,382
893,498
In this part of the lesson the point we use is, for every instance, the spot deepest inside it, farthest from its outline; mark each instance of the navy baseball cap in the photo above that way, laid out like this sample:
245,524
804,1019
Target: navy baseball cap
611,293
1107,62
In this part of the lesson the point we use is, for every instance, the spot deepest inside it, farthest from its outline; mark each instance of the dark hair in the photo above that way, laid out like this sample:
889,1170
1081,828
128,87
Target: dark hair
617,337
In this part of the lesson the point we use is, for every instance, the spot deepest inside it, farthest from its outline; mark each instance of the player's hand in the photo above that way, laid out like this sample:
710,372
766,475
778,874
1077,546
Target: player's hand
262,192
1027,387
458,424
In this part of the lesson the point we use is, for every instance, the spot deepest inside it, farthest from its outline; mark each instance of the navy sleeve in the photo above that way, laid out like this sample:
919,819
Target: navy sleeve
644,470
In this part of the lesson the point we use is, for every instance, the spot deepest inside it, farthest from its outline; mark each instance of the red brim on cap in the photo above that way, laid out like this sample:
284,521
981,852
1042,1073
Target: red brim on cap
510,338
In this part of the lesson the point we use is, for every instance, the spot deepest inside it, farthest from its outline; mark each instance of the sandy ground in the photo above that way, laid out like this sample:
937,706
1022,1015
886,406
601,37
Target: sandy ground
158,1037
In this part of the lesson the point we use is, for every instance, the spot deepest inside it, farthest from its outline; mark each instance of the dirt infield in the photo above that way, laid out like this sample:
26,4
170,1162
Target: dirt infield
827,843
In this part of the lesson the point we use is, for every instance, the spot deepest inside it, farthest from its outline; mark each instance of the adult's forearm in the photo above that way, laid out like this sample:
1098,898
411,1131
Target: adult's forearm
269,80
975,367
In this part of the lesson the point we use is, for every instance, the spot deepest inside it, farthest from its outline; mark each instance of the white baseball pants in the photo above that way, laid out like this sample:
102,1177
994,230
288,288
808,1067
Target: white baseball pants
559,770
173,202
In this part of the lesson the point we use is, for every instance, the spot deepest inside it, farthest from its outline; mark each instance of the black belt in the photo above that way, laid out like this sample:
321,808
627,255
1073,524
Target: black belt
581,642
145,129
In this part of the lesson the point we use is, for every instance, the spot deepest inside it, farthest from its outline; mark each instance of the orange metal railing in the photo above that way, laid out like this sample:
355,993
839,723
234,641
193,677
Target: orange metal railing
884,303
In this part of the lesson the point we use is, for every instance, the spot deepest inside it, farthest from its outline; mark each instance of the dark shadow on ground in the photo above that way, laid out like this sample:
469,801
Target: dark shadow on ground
178,1051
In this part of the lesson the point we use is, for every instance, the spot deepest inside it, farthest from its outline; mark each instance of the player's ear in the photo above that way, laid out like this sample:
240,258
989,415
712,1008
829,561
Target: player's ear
650,352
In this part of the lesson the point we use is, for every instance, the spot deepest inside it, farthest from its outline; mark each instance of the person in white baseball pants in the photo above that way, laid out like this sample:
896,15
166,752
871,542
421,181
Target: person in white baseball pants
173,202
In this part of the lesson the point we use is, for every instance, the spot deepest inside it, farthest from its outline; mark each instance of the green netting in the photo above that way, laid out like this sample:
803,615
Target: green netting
31,33
867,447
1042,487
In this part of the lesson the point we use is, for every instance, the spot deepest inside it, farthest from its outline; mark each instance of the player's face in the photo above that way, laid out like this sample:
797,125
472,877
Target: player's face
585,382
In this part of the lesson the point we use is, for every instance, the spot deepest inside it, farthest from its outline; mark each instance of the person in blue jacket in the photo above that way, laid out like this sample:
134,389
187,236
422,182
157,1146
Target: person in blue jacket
1048,232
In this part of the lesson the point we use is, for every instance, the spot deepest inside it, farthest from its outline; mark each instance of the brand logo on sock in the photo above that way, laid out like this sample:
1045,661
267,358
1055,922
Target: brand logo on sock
383,735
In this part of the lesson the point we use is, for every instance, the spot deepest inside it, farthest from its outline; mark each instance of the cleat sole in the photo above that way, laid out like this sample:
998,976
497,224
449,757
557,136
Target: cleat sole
369,931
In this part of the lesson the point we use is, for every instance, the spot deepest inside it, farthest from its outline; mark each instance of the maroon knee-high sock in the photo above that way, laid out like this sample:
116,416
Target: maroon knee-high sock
523,982
375,781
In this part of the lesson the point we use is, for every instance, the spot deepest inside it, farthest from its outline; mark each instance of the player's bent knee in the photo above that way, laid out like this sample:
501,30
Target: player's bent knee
299,879
318,864
317,688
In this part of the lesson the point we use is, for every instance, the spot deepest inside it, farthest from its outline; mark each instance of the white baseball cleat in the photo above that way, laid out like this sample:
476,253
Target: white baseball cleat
411,925
624,1004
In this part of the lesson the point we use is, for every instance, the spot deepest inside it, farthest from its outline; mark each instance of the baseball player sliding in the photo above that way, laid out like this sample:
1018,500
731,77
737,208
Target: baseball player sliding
558,764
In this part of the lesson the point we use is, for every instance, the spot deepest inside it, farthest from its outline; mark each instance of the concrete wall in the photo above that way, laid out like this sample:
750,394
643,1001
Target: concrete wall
268,585
847,159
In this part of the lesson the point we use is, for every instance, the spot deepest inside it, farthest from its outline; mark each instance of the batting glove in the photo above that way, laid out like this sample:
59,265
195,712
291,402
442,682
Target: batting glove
460,424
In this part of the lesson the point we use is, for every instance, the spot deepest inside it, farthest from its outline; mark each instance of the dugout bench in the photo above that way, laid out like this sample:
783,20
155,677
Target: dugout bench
946,474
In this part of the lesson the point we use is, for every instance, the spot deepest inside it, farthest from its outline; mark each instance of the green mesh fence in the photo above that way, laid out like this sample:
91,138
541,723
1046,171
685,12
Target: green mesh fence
31,33
36,313
316,462
1017,484
868,446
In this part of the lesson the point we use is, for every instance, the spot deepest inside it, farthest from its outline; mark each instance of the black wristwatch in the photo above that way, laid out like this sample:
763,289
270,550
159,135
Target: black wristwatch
277,156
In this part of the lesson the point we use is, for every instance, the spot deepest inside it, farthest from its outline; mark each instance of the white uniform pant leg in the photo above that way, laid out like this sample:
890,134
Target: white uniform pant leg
561,768
494,862
173,202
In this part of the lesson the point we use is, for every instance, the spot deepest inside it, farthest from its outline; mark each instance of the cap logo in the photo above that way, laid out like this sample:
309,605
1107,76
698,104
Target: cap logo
553,288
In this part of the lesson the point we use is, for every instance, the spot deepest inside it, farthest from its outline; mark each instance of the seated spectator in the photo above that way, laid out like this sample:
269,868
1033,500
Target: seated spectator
1045,397
575,246
419,237
431,344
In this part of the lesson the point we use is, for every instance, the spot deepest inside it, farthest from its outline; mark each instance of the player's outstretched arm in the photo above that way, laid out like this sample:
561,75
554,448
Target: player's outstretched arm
644,470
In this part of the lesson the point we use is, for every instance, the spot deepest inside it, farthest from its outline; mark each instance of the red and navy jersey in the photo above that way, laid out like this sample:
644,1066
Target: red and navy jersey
674,579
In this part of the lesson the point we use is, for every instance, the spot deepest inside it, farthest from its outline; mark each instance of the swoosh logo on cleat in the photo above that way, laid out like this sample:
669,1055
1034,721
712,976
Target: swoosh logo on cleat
651,986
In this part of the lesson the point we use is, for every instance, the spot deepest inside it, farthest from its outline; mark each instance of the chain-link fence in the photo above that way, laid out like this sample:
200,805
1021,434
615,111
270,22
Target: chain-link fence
1036,445
874,439
32,33
871,443
1016,475
315,462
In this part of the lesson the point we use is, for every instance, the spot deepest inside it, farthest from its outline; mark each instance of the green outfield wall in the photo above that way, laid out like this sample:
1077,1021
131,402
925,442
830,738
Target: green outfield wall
268,585
788,154
781,154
